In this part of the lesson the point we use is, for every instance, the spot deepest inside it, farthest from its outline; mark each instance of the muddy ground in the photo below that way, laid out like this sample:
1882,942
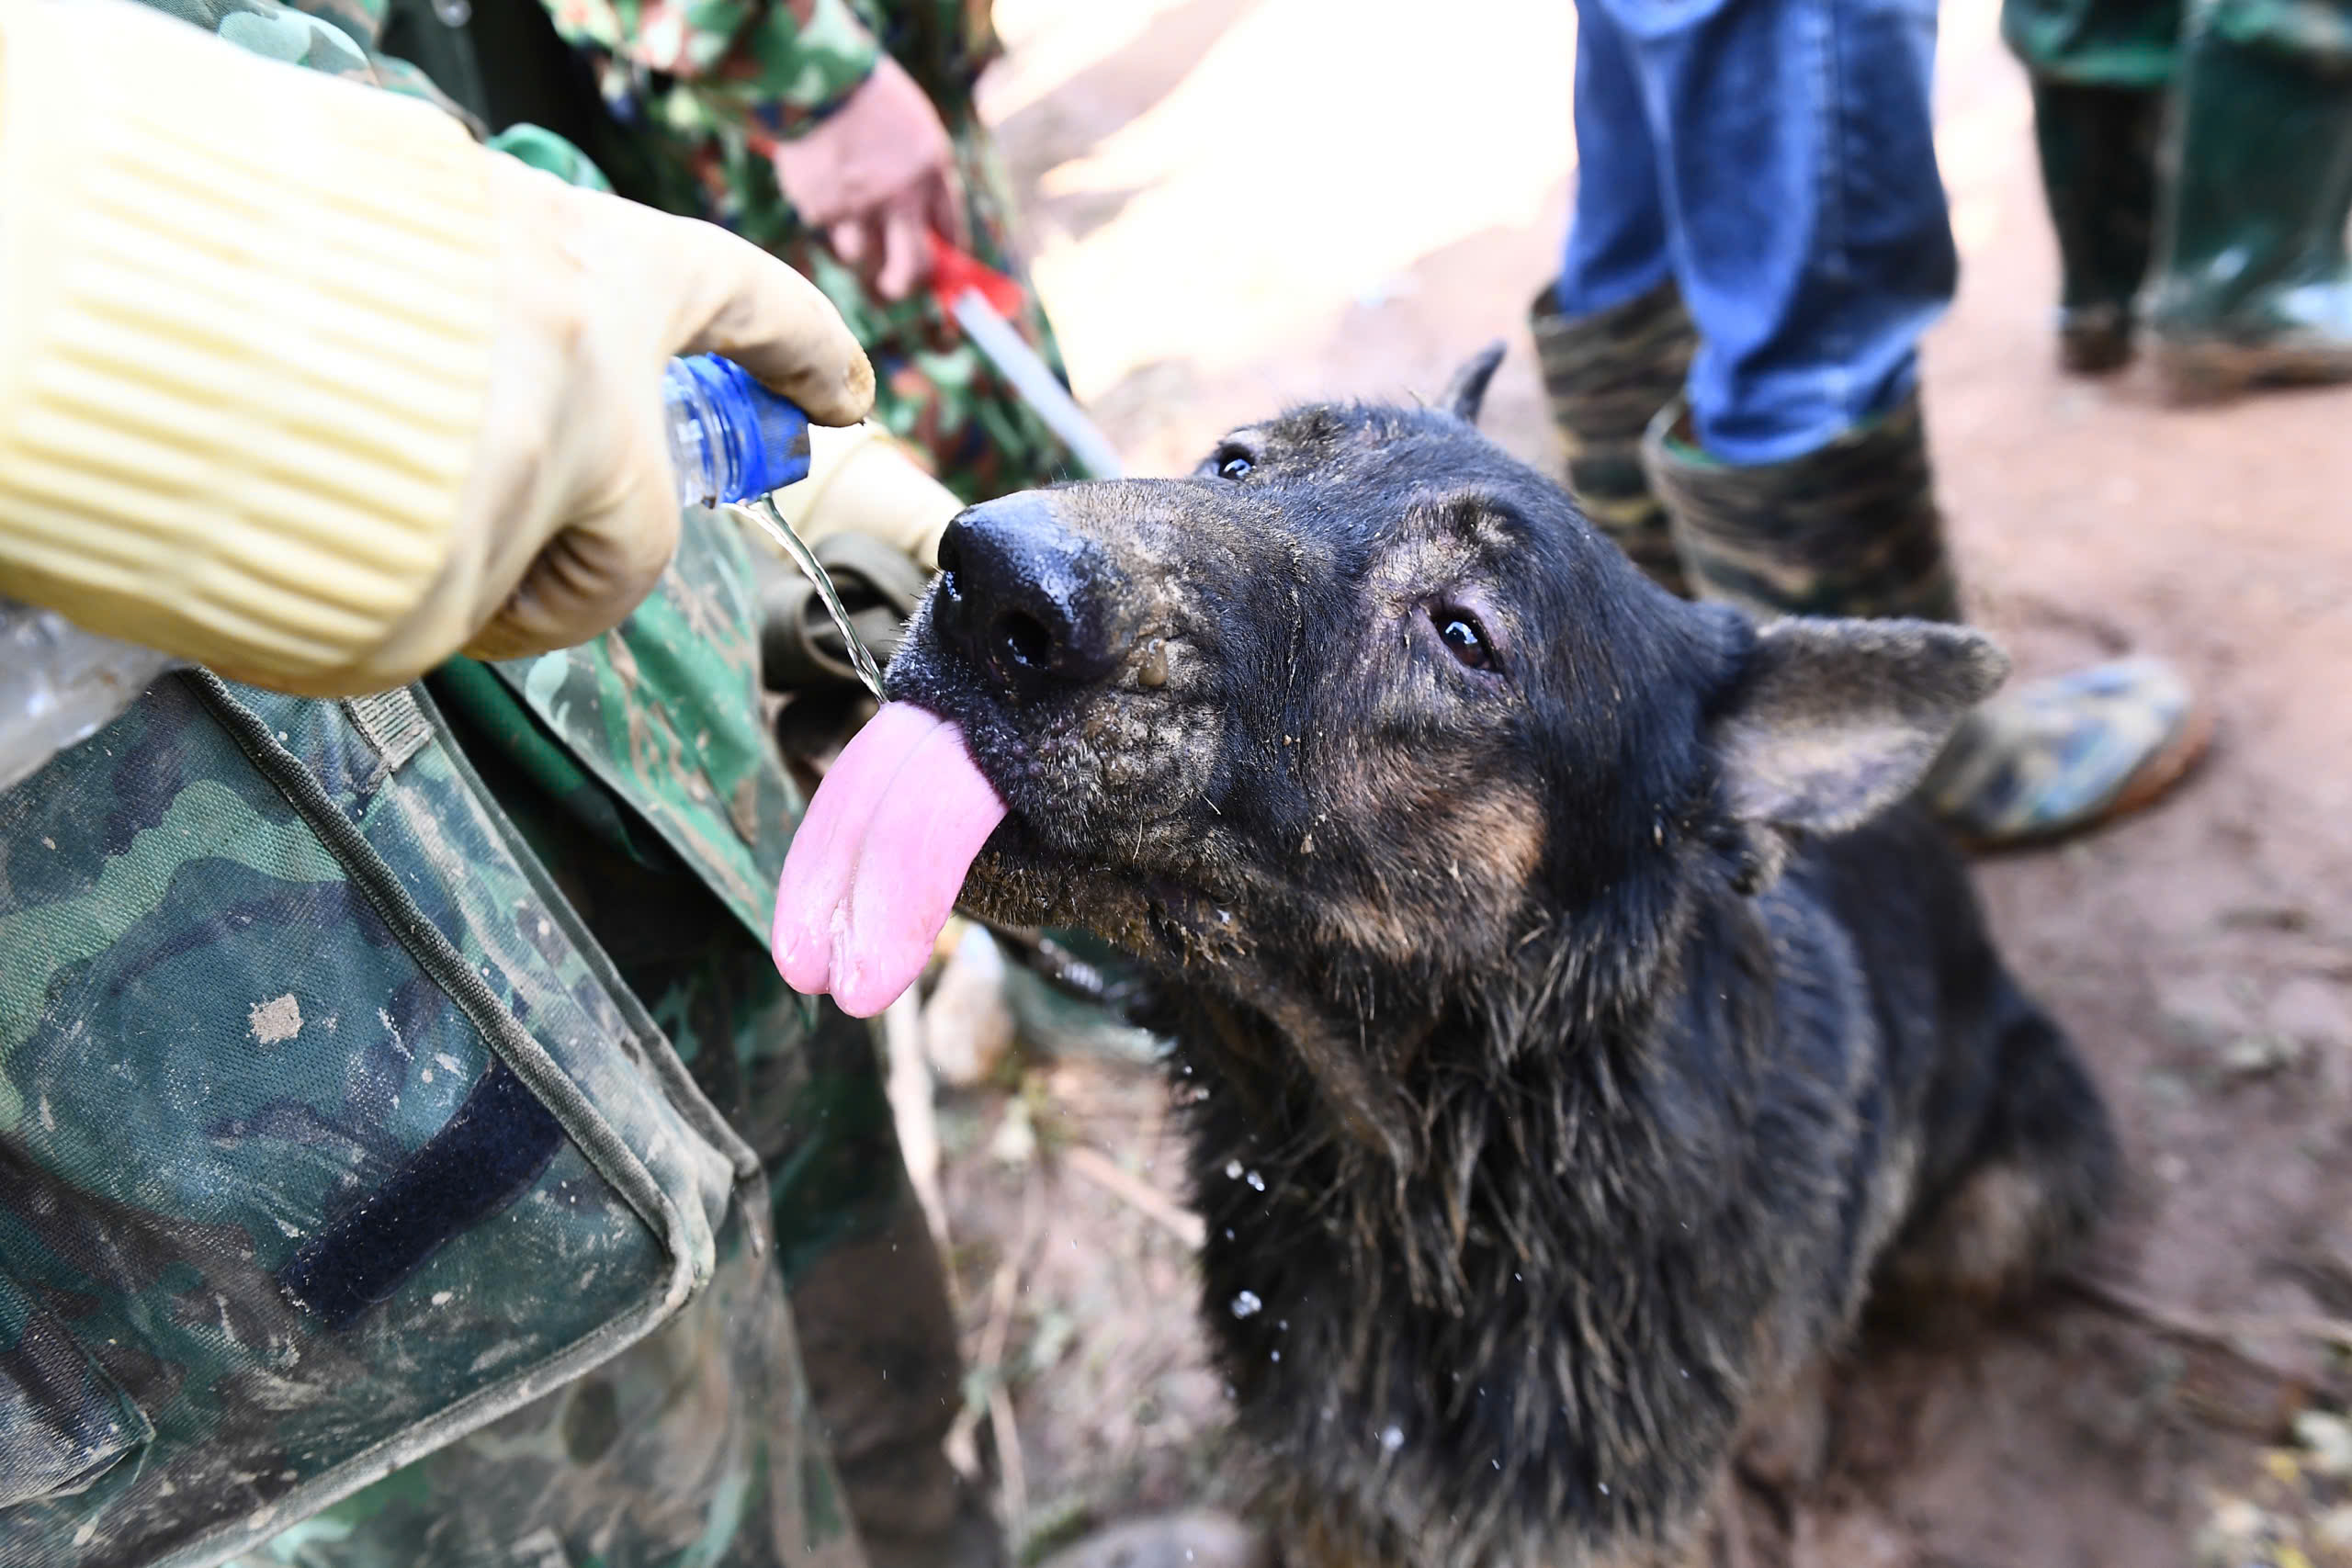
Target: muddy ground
1236,202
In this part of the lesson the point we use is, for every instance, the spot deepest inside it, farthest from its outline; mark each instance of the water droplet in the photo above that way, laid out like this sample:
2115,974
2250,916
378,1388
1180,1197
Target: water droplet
1275,1357
1499,1465
1233,1170
1392,1437
1246,1304
1604,1489
1257,1183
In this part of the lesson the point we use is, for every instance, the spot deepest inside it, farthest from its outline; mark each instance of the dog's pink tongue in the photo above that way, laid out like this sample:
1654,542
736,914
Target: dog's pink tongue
879,858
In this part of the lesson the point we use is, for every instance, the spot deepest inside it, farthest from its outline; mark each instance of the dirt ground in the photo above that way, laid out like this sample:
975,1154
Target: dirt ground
1237,202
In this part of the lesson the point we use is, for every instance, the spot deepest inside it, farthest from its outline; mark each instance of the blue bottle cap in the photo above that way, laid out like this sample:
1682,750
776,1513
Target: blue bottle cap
764,436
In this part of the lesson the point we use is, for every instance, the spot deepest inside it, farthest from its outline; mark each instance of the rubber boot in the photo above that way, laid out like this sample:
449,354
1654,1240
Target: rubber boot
1606,375
1852,529
1848,529
2254,284
2098,173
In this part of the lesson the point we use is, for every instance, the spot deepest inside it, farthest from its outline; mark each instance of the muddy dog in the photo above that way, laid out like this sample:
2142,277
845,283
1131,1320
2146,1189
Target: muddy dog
1573,1024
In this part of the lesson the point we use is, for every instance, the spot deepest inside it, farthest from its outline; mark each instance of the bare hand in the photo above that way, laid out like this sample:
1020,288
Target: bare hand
876,177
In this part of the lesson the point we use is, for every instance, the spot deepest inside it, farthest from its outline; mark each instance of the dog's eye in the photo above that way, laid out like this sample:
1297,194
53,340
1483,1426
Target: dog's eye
1464,637
1232,465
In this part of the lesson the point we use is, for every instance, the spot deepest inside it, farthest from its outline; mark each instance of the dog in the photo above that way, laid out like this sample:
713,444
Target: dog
1573,1023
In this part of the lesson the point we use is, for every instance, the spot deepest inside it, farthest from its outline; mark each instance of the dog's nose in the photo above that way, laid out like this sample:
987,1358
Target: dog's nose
1026,596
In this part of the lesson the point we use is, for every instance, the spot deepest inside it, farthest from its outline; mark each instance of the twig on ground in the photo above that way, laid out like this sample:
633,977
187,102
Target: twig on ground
1010,1468
909,1089
987,1364
1731,1525
1142,1196
2228,1333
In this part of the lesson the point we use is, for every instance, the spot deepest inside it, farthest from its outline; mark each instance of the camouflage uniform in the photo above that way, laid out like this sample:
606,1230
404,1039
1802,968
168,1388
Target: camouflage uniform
693,95
687,102
407,1142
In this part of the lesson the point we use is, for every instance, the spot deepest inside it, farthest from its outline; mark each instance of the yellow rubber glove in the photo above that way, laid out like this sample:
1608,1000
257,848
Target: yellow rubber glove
571,512
297,383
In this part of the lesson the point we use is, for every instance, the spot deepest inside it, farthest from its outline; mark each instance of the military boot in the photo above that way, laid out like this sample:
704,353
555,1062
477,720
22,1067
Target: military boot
1606,375
1852,529
2253,283
2098,173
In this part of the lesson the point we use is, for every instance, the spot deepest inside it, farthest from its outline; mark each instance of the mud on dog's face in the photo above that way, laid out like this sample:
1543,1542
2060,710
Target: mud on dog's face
1320,687
1361,694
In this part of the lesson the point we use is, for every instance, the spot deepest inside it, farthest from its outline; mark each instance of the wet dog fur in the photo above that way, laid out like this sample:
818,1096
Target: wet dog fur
1573,1024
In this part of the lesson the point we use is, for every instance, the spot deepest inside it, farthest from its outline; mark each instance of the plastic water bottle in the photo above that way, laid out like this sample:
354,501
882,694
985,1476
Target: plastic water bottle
730,439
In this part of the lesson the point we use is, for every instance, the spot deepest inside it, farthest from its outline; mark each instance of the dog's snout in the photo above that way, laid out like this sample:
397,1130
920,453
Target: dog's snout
1029,598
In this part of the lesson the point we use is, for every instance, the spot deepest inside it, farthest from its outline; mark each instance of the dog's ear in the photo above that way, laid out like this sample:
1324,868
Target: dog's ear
1466,392
1833,720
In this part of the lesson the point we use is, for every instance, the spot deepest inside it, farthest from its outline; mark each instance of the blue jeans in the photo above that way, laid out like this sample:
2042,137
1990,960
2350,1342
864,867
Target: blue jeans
1776,158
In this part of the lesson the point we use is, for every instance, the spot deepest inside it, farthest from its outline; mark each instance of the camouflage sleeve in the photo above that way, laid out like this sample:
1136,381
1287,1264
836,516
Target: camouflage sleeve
337,37
766,67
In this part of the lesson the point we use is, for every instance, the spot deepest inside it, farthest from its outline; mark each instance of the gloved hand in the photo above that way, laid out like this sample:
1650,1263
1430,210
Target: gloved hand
876,175
320,421
571,512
